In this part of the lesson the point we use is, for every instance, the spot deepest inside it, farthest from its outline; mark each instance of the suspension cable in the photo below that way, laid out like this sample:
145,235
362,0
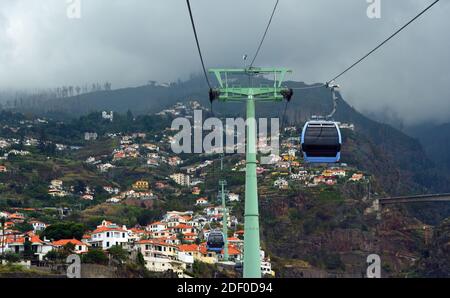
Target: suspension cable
198,44
384,42
265,33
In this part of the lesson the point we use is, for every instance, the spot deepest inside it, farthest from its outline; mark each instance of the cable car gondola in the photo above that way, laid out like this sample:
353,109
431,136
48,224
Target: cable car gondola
321,142
215,241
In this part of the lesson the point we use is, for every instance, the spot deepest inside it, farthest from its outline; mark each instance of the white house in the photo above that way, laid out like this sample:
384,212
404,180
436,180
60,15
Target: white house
201,201
80,247
281,183
109,234
156,227
212,211
181,179
38,226
232,197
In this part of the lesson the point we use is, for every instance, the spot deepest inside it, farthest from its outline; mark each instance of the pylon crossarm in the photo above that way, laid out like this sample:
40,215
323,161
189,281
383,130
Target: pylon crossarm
222,74
259,94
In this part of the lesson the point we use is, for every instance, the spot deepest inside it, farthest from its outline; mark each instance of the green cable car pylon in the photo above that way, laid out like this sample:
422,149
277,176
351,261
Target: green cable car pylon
251,95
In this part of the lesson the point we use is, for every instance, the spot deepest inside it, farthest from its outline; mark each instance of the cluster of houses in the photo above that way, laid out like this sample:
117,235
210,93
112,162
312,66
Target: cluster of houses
286,167
314,178
181,109
140,190
57,189
173,243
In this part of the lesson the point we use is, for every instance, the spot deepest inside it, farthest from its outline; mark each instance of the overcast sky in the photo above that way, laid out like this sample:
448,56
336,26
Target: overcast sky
129,42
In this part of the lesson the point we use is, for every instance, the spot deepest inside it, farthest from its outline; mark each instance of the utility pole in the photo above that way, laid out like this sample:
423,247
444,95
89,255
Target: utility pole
224,221
222,183
251,95
2,221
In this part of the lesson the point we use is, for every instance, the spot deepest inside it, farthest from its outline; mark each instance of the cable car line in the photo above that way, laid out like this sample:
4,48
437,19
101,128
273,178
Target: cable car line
198,44
200,54
384,42
310,87
265,33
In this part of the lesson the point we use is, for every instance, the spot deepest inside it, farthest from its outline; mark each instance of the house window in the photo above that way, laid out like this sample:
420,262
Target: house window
123,235
107,234
107,244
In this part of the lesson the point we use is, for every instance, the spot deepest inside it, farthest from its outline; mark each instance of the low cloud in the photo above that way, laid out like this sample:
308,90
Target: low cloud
133,41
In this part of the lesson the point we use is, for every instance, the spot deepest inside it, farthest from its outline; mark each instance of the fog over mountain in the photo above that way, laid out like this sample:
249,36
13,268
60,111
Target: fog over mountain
131,42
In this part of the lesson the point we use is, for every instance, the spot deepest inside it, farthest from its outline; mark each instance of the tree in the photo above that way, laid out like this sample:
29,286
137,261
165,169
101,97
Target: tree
57,255
69,248
140,259
23,227
95,256
12,257
80,186
65,230
27,249
118,253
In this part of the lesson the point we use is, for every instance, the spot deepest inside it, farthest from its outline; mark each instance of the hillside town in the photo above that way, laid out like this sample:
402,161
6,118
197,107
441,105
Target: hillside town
177,239
171,244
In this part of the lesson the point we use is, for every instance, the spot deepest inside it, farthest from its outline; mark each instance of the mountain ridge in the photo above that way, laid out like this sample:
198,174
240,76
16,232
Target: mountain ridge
396,158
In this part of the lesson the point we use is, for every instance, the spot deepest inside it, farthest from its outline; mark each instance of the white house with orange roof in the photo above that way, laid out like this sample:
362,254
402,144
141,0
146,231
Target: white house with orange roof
190,237
160,256
198,253
138,233
79,246
16,217
156,226
175,220
158,246
86,238
162,234
109,234
16,244
183,229
356,177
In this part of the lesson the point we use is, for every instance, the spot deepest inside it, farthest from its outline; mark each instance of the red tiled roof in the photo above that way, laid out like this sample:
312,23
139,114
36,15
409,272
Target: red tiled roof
36,239
107,229
182,226
137,231
188,247
158,241
157,223
20,240
232,250
64,242
233,239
